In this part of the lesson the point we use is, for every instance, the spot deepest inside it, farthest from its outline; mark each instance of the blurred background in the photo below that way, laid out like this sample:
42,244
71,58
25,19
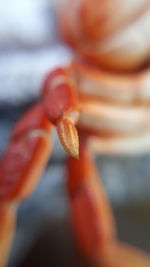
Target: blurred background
30,46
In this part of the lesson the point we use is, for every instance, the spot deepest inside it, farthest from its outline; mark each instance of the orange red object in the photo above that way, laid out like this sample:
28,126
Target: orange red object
104,96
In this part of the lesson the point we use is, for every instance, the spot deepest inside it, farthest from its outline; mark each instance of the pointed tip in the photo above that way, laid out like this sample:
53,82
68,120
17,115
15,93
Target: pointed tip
75,154
69,137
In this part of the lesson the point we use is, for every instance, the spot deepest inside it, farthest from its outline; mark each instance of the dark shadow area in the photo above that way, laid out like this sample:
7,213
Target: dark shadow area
133,225
54,248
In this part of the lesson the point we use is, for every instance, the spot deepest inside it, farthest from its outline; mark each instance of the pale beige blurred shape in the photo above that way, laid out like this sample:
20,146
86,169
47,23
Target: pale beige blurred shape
115,34
113,37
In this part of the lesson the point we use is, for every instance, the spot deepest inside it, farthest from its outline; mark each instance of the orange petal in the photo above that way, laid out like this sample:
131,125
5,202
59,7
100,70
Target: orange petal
69,137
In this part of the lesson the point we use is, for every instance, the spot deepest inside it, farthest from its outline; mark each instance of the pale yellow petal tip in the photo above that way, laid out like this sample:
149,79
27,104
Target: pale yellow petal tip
74,152
69,137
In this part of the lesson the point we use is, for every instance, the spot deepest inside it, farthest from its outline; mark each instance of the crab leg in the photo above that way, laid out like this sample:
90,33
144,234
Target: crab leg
30,145
20,169
91,215
92,219
7,224
61,104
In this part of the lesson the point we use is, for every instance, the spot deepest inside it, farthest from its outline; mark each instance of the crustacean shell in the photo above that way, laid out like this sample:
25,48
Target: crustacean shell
112,41
115,109
113,34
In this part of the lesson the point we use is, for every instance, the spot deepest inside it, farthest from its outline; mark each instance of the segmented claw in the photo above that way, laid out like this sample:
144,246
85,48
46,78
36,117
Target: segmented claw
61,104
69,137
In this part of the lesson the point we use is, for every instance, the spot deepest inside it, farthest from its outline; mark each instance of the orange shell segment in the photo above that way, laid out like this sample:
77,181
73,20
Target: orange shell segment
22,164
91,215
59,94
34,118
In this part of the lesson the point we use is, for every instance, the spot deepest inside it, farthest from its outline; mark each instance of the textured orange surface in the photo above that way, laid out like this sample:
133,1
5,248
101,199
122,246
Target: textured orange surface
91,215
34,118
59,95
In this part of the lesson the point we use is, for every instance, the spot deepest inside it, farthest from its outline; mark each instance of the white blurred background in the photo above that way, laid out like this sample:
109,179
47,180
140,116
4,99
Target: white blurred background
29,47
